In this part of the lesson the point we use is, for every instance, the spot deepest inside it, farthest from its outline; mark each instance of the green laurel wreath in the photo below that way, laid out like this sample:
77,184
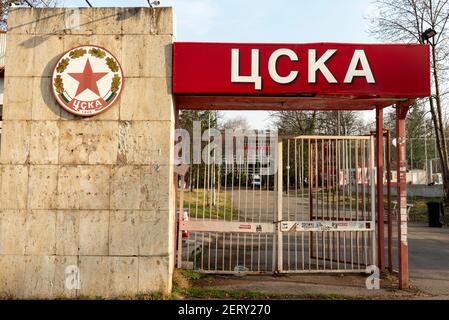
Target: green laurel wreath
94,52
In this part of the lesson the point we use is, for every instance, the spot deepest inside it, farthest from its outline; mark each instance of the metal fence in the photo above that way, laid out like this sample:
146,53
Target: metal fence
422,160
314,214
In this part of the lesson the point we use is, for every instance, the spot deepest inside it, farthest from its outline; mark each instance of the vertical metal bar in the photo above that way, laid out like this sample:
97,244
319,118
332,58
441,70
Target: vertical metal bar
296,202
196,209
351,181
303,201
390,218
279,208
345,183
331,214
288,202
338,201
180,219
322,201
401,113
311,180
380,189
246,204
373,199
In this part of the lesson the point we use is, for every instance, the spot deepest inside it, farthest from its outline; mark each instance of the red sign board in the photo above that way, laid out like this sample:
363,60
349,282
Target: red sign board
337,69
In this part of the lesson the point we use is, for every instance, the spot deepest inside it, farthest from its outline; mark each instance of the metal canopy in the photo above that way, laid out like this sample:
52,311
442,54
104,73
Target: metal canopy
197,102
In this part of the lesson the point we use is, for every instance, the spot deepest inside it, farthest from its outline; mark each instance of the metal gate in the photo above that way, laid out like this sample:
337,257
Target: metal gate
315,213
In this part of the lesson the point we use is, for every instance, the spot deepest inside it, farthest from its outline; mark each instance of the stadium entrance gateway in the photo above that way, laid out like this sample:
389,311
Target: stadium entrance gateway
320,210
87,201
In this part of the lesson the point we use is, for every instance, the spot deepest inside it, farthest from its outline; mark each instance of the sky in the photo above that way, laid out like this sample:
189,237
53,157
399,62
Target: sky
287,21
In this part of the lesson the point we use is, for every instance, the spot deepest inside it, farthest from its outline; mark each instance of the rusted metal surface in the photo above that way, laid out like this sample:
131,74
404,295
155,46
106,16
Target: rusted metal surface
401,113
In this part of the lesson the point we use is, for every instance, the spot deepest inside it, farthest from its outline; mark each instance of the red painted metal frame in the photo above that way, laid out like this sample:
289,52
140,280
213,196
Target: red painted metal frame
380,189
200,102
201,80
401,113
390,218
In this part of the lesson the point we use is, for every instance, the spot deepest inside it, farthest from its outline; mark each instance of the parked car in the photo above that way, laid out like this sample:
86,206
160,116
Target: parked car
256,180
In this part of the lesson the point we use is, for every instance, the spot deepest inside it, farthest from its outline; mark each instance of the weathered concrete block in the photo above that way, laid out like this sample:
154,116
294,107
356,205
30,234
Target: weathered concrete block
15,142
39,276
21,21
133,187
13,187
47,51
146,20
63,21
73,41
153,236
19,55
123,279
70,197
89,142
67,233
12,232
108,21
147,99
124,233
154,274
112,43
18,102
44,105
49,22
83,187
93,232
43,187
146,142
44,147
139,233
79,21
41,232
12,276
147,56
95,275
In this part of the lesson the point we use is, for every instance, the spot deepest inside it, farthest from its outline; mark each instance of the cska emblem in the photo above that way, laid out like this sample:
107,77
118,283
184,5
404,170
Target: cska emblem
87,80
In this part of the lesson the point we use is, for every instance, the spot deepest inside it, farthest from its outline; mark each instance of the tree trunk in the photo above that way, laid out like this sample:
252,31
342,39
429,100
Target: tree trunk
437,118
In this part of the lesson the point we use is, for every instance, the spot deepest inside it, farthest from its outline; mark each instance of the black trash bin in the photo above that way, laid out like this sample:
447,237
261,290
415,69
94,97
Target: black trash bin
434,210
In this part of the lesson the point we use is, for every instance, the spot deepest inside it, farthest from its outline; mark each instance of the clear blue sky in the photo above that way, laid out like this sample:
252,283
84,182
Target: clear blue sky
262,21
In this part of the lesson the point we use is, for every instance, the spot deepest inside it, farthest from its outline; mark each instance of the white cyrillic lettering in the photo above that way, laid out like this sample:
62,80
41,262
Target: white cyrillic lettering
235,69
359,56
320,65
273,62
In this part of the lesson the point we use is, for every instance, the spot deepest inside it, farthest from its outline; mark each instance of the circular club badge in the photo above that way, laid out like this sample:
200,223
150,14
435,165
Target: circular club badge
87,80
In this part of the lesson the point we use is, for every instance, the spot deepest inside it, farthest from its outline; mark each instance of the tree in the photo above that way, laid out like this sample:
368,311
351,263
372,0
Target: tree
318,122
237,123
350,123
295,122
406,21
418,128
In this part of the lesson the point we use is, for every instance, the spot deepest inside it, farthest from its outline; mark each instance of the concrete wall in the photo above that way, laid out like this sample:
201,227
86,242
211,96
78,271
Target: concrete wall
91,192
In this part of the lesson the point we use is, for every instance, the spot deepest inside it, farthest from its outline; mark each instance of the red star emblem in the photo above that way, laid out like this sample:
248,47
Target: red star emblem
88,79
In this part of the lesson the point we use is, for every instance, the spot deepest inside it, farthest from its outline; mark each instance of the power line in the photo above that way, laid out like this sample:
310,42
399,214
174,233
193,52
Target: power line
89,3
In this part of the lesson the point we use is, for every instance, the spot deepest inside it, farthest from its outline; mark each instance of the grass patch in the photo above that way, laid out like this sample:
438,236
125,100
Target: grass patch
213,293
200,204
191,275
